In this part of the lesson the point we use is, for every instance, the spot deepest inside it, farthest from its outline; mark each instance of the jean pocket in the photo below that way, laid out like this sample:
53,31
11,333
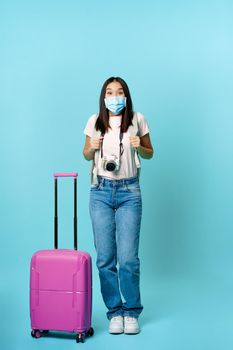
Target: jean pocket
95,187
134,187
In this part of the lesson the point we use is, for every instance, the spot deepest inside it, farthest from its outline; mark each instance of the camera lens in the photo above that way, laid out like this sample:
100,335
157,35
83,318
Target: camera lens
110,166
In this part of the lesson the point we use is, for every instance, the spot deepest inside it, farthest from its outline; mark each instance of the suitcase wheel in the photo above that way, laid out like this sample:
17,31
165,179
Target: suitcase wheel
35,333
90,333
80,338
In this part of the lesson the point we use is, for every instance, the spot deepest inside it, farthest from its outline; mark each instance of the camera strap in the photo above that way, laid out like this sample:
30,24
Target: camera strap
121,147
101,146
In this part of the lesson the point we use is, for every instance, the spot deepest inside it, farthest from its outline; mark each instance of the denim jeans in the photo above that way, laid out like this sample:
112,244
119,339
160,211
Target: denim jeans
115,210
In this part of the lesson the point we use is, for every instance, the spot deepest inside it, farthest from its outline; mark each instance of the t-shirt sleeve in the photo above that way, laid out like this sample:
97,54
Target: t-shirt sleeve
143,127
90,126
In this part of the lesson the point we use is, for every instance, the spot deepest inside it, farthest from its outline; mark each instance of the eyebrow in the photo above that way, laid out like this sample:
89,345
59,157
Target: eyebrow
112,89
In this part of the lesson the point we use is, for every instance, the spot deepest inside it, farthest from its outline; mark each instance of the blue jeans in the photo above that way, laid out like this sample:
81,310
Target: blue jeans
116,209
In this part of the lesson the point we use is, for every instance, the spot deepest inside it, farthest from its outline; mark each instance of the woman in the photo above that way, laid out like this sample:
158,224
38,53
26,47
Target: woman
114,139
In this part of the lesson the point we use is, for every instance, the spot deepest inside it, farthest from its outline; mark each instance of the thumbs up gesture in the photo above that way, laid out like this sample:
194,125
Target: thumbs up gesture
134,141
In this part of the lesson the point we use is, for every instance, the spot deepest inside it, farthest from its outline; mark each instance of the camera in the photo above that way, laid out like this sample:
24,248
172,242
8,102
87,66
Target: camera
111,163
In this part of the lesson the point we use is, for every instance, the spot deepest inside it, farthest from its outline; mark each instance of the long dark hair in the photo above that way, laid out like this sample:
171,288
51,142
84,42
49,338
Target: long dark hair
102,122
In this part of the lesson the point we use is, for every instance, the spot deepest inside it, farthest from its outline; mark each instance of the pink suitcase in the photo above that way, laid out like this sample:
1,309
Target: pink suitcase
61,285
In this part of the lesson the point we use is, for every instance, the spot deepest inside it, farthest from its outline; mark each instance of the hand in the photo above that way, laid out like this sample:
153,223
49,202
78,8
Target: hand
96,143
134,141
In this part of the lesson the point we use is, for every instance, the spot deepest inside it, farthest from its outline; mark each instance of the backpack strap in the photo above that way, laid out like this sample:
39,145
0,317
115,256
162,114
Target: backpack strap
134,131
94,169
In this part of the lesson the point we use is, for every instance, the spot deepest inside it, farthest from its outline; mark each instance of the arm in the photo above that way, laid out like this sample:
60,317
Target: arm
143,145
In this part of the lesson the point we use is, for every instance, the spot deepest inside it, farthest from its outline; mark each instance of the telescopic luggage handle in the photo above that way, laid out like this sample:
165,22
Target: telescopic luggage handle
56,176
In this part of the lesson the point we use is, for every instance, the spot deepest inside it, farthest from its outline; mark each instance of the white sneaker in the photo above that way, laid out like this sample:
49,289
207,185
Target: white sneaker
116,325
131,325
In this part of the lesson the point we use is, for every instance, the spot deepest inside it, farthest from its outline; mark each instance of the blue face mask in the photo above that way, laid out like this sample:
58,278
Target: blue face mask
115,104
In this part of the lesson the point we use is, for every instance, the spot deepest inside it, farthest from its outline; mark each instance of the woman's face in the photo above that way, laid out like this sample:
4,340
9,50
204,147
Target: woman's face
114,89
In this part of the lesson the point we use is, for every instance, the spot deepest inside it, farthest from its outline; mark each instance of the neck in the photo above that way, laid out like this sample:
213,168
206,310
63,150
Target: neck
114,115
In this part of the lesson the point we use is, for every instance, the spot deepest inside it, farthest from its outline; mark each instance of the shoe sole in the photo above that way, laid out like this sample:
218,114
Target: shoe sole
114,332
131,332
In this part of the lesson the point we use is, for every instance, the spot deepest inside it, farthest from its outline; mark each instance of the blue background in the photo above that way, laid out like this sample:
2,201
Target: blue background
176,57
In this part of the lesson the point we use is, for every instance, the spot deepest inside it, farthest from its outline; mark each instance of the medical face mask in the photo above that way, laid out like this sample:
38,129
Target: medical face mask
115,104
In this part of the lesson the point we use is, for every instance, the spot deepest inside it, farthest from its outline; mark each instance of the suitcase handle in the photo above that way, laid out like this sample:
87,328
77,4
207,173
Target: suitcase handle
65,175
56,176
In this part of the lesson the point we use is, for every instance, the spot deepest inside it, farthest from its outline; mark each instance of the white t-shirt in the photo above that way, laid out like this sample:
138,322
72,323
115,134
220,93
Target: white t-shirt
111,146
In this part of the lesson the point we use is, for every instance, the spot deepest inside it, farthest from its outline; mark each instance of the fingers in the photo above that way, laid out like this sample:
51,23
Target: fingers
96,142
134,141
